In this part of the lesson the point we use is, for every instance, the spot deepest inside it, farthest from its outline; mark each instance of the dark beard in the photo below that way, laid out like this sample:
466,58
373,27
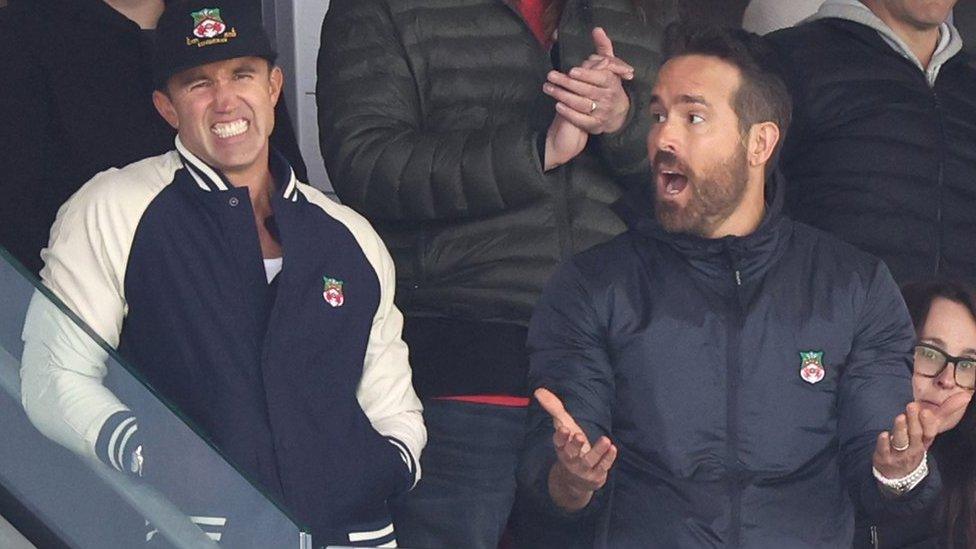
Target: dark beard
715,195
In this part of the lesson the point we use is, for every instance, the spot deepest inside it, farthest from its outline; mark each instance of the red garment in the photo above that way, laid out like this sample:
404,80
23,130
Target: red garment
532,12
496,400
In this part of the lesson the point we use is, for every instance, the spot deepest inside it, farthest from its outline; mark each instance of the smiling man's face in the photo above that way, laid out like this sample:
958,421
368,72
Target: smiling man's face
224,111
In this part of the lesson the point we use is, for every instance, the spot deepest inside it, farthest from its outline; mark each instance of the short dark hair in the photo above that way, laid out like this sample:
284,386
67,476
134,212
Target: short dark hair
762,96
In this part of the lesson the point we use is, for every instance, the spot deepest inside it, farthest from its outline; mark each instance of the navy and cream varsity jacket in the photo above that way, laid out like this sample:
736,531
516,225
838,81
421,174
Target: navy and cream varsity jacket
304,384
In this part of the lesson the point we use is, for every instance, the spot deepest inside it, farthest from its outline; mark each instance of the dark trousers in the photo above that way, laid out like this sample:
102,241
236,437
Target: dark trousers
468,487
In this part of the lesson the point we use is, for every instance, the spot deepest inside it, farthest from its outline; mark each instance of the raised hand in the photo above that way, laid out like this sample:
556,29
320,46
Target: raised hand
591,96
581,469
899,451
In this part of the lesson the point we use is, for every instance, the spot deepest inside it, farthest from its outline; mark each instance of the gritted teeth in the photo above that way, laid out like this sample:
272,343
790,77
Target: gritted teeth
230,129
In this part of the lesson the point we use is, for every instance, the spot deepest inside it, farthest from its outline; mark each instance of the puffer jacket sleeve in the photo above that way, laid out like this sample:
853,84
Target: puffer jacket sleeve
568,356
875,388
383,160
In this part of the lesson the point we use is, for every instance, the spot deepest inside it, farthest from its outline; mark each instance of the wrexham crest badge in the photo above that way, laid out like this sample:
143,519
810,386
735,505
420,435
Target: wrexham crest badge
207,23
333,292
209,29
811,366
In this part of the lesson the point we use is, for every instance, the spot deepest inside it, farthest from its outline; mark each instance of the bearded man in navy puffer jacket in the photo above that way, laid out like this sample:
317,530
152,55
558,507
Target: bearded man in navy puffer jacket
720,375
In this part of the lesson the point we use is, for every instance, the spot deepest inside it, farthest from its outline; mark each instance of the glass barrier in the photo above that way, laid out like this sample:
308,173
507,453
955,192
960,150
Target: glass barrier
84,502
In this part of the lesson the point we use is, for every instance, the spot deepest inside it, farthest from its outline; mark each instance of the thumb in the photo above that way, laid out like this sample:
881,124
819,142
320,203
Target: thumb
601,42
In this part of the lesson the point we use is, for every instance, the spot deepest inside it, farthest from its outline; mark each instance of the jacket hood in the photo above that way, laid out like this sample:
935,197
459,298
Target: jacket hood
950,42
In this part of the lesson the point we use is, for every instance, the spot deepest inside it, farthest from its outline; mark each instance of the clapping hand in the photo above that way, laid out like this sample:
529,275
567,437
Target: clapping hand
591,96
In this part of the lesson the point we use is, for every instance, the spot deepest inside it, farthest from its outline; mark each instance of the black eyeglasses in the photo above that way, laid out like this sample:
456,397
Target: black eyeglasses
930,361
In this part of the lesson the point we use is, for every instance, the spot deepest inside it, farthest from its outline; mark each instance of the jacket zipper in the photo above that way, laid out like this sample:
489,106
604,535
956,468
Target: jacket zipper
940,229
735,471
875,542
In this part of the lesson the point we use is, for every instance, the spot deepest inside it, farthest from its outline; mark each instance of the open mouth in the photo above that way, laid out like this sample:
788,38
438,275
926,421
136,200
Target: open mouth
672,181
226,130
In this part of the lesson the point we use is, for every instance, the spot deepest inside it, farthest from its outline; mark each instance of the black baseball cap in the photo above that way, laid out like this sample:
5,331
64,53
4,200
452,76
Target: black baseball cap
191,33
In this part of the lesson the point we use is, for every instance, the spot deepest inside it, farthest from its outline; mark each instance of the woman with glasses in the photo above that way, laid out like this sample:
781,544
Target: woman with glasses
943,378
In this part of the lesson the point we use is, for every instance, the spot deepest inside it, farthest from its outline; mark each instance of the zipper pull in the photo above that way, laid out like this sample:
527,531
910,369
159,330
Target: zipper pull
738,278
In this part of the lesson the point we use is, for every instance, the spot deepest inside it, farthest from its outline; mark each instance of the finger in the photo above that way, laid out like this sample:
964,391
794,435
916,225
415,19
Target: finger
561,437
914,425
882,449
599,77
574,449
620,68
551,404
930,427
613,64
899,433
572,100
579,87
608,459
601,42
595,63
594,456
580,120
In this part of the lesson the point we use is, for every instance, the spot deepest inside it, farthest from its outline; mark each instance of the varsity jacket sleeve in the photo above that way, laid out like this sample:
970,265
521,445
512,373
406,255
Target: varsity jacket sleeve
63,366
568,356
874,389
382,158
385,391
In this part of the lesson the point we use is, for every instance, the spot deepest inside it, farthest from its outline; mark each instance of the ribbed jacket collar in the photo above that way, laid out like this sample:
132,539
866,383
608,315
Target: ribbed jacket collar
210,179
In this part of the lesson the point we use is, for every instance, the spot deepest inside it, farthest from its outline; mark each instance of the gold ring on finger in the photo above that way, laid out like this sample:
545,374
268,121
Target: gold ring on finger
900,448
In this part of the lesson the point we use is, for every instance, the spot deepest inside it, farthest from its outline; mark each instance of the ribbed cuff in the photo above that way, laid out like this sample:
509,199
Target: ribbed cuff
117,442
413,467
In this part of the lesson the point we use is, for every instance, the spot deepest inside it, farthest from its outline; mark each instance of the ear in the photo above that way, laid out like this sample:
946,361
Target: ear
763,138
166,109
276,81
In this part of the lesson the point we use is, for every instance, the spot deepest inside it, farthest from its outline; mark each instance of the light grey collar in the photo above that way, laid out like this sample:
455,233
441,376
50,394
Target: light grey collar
950,43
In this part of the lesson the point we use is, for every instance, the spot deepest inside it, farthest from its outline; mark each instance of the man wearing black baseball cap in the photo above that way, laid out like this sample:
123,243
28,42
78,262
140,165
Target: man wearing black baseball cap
294,369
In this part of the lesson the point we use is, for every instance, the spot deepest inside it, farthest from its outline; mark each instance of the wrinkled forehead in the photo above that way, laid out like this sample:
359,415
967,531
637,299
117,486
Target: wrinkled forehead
707,79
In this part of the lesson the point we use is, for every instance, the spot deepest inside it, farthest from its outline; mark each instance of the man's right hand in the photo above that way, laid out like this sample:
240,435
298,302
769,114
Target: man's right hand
581,469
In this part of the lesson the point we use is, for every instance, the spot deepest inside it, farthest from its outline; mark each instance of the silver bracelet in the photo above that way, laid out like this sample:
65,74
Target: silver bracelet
899,486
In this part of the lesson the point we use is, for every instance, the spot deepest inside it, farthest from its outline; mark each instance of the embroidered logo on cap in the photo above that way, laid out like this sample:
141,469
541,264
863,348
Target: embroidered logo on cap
811,366
208,27
333,292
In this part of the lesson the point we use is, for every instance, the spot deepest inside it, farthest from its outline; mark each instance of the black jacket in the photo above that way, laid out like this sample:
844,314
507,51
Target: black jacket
877,157
430,119
687,353
76,99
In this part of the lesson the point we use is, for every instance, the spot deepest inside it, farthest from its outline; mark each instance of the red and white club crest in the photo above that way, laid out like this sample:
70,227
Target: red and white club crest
207,23
811,366
209,28
332,293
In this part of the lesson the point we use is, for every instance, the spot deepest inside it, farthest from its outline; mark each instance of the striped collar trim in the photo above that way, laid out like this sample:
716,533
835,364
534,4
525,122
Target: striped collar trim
210,180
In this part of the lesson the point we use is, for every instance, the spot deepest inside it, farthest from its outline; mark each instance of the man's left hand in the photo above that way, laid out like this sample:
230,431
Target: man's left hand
900,451
591,96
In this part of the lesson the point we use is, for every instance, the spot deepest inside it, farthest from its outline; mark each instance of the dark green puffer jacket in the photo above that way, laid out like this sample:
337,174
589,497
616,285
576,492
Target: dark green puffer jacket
430,117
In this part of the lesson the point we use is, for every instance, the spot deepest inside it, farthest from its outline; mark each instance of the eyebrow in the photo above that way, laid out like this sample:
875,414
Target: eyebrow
942,345
685,99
